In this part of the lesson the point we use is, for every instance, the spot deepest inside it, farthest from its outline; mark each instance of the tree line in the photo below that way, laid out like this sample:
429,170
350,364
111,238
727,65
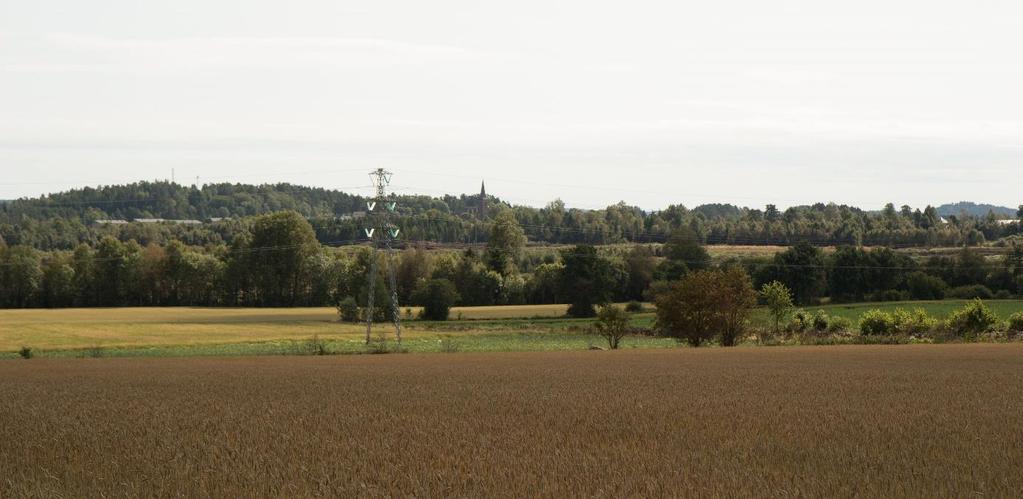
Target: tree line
276,260
65,220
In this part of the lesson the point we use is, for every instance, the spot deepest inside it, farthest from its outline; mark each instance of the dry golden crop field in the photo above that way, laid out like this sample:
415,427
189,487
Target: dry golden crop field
864,421
161,326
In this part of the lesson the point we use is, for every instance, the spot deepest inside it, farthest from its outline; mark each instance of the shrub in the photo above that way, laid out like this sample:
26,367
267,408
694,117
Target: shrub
314,346
913,323
820,321
437,297
634,307
1003,294
25,352
1016,322
926,287
801,321
876,322
348,310
838,324
975,318
379,345
971,292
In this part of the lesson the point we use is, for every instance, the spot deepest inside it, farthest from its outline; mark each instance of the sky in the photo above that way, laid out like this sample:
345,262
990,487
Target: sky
649,102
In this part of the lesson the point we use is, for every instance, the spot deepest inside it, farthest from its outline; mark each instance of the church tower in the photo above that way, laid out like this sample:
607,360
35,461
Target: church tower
481,210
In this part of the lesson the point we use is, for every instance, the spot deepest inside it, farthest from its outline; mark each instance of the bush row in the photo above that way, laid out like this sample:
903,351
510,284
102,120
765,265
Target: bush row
972,320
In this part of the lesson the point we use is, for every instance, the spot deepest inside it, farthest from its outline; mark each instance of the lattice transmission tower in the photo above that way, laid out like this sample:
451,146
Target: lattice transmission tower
382,232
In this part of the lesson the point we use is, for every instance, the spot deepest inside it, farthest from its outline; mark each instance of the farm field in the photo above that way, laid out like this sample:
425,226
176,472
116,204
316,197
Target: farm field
867,421
158,332
225,331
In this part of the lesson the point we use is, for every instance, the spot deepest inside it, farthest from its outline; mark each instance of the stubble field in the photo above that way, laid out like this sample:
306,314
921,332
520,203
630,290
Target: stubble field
879,421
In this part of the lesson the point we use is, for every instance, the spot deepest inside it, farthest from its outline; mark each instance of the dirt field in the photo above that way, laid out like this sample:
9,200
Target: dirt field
880,421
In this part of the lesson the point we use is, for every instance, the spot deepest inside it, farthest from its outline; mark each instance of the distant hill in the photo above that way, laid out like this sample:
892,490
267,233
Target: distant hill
214,214
975,209
174,201
717,210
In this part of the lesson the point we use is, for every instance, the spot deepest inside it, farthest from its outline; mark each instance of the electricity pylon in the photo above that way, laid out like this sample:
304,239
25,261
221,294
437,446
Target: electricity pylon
381,233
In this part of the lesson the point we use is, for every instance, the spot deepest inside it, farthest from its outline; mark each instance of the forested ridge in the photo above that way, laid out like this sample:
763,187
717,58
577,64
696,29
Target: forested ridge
65,220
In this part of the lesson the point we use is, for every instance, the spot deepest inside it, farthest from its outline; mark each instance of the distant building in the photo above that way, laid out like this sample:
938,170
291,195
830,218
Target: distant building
148,221
481,210
353,215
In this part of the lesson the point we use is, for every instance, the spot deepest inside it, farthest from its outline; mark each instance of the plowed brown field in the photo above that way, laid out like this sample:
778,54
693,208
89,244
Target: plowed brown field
876,421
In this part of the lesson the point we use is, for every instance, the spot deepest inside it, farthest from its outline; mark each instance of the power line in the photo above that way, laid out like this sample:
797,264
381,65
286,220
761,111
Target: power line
385,232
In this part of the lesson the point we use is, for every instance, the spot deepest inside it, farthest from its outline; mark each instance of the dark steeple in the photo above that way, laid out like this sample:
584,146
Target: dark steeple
481,210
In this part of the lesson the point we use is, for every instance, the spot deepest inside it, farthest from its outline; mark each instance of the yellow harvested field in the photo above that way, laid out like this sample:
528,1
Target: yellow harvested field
725,251
128,327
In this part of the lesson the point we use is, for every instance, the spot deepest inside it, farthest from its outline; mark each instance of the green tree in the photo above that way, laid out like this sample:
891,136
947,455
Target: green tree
21,275
109,270
612,324
683,252
586,280
505,243
82,262
890,215
970,268
778,299
58,282
735,300
641,268
436,296
544,286
414,267
926,287
931,218
281,245
706,304
802,269
687,309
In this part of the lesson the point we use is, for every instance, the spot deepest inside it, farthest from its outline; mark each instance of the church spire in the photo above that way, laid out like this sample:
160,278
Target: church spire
481,210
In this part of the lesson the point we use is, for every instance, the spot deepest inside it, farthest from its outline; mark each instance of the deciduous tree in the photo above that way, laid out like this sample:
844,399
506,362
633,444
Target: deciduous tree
778,299
612,324
706,304
586,280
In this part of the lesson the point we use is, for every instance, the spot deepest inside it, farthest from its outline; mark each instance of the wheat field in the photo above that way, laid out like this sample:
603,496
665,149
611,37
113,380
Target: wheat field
924,421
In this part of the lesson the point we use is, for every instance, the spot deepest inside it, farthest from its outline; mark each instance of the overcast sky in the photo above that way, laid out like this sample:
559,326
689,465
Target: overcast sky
749,102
